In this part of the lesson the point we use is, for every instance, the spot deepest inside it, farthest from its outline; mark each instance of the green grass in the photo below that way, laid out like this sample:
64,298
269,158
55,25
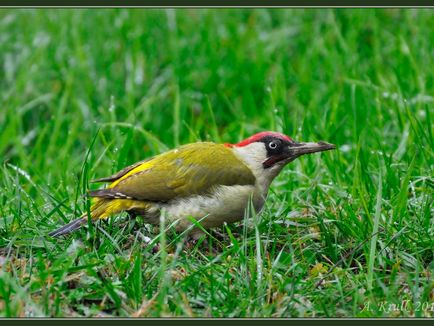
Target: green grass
84,93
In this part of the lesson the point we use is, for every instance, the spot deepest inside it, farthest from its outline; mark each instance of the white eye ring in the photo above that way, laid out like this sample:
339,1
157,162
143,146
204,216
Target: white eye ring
272,145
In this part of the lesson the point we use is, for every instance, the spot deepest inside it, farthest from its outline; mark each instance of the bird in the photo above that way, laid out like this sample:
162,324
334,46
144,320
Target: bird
213,183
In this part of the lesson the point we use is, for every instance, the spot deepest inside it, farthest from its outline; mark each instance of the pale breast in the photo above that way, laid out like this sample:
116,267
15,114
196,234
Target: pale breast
226,204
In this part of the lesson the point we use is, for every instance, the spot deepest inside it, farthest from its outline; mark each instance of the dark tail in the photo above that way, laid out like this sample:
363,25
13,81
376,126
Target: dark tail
71,226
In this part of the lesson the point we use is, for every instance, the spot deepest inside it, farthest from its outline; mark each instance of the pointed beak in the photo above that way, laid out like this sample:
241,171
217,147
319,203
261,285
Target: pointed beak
299,149
295,150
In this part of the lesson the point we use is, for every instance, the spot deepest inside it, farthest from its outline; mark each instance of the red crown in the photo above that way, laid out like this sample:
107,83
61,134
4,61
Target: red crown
257,137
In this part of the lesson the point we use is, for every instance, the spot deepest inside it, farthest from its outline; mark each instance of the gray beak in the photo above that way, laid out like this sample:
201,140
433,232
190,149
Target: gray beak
295,150
299,149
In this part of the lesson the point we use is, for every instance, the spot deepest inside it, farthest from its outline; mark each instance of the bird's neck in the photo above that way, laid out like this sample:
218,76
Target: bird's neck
253,155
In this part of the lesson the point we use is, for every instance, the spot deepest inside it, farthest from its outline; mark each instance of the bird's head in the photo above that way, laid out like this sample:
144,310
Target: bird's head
268,152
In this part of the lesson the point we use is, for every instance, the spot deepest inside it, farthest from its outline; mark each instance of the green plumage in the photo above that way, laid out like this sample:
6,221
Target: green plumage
189,170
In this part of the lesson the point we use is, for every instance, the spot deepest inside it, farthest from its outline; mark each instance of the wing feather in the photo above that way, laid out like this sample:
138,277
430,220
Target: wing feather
180,173
119,174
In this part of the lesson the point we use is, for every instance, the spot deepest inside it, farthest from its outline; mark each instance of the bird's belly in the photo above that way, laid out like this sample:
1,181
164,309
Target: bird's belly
225,204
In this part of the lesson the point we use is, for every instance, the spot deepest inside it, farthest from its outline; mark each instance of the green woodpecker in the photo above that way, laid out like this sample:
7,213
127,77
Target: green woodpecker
212,183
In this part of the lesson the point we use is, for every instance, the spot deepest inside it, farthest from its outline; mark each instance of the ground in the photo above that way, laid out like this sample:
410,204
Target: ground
347,233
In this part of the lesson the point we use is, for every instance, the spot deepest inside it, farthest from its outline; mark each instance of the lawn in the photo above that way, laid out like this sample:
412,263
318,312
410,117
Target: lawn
347,233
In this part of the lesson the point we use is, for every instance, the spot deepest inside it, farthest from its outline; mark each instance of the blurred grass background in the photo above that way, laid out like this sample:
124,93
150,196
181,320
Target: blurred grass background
84,93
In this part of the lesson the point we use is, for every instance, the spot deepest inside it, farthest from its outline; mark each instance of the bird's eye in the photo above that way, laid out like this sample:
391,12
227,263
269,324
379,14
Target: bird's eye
272,145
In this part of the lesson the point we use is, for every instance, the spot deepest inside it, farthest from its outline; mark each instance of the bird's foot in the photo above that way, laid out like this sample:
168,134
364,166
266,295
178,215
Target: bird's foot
219,236
195,239
200,241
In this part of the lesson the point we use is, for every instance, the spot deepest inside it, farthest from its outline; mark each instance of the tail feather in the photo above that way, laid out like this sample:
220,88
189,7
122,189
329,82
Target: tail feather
101,209
71,226
97,210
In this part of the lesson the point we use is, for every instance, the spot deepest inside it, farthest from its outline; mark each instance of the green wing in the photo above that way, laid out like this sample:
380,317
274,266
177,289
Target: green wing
179,173
119,174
